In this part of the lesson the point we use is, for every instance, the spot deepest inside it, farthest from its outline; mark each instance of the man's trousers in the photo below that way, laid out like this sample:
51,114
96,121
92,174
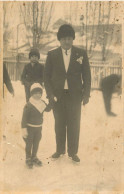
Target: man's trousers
67,112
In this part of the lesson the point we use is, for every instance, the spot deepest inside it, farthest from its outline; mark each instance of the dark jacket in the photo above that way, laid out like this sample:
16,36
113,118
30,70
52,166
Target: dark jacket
6,80
78,75
33,74
110,82
32,116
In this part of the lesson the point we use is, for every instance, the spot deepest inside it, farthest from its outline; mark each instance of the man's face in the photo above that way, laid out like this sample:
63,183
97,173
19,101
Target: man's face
66,42
34,59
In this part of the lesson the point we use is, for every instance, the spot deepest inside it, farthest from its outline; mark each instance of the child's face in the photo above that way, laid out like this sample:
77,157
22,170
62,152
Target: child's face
34,59
37,95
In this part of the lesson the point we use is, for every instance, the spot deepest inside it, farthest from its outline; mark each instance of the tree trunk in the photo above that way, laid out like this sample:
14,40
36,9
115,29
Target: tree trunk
34,24
86,23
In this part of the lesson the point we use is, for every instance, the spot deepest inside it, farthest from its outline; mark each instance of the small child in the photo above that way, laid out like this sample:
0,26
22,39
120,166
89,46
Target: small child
32,120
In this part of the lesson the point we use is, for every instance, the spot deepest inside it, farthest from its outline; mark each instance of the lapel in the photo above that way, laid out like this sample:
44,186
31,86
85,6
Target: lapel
60,59
72,58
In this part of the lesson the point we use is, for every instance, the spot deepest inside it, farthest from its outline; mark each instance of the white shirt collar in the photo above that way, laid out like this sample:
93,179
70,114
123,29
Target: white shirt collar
38,104
68,51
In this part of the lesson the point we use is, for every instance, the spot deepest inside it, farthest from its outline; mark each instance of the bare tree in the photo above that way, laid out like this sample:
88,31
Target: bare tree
87,11
93,20
98,25
6,31
71,12
36,17
105,30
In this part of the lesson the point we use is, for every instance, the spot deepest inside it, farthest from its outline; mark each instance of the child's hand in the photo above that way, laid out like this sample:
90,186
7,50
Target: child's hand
24,132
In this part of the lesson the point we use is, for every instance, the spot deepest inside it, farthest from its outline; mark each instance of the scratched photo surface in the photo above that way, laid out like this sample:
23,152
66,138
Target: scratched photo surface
98,30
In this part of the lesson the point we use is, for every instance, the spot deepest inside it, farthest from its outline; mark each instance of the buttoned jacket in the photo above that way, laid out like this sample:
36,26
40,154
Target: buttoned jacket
78,74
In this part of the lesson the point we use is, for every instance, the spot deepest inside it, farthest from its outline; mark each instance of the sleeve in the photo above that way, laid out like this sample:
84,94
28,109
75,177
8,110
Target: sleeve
23,76
41,75
25,117
6,80
48,108
48,76
86,76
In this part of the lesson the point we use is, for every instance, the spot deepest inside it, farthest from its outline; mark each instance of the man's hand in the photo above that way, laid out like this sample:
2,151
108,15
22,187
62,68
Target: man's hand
52,101
24,132
13,93
85,100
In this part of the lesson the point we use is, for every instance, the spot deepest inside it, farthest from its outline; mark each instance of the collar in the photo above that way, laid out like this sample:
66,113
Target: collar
34,64
68,51
38,104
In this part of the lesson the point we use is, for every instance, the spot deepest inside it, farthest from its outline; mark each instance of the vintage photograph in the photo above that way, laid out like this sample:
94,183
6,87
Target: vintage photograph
62,103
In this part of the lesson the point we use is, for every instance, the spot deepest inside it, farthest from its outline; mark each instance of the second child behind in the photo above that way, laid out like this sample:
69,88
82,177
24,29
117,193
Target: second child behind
32,72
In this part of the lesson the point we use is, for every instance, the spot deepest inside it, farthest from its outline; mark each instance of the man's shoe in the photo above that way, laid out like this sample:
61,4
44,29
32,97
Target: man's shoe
57,155
37,162
75,158
29,163
112,114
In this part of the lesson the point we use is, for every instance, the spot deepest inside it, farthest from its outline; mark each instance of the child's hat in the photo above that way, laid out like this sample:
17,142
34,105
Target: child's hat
34,51
36,87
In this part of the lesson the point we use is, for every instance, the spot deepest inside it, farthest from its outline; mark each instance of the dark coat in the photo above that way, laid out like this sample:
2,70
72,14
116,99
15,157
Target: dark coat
78,75
33,74
109,83
32,116
6,80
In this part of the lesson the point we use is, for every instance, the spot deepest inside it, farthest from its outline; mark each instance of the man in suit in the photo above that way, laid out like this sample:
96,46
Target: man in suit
67,81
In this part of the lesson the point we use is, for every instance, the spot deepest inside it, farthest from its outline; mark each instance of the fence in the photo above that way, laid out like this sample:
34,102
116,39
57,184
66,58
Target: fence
98,70
103,69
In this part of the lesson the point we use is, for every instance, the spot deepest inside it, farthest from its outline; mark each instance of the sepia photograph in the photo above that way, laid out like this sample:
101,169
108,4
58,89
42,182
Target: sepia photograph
61,103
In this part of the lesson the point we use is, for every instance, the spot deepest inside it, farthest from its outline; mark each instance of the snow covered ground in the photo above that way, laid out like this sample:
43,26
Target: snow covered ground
101,149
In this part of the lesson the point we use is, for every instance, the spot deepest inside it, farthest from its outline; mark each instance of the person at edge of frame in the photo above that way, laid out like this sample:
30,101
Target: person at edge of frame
32,72
109,85
32,120
67,80
7,81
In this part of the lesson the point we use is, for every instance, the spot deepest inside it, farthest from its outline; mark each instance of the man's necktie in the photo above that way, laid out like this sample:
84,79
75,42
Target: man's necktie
66,52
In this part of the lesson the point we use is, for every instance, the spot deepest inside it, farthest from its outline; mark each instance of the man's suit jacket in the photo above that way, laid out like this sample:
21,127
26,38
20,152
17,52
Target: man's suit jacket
78,75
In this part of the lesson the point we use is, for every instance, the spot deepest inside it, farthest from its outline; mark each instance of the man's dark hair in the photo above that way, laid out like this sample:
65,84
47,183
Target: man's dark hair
66,30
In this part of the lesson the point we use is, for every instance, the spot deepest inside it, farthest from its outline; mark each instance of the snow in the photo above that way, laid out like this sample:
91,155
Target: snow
100,150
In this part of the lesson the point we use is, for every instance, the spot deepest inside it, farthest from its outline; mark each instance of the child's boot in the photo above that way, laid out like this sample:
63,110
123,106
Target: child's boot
29,163
36,162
